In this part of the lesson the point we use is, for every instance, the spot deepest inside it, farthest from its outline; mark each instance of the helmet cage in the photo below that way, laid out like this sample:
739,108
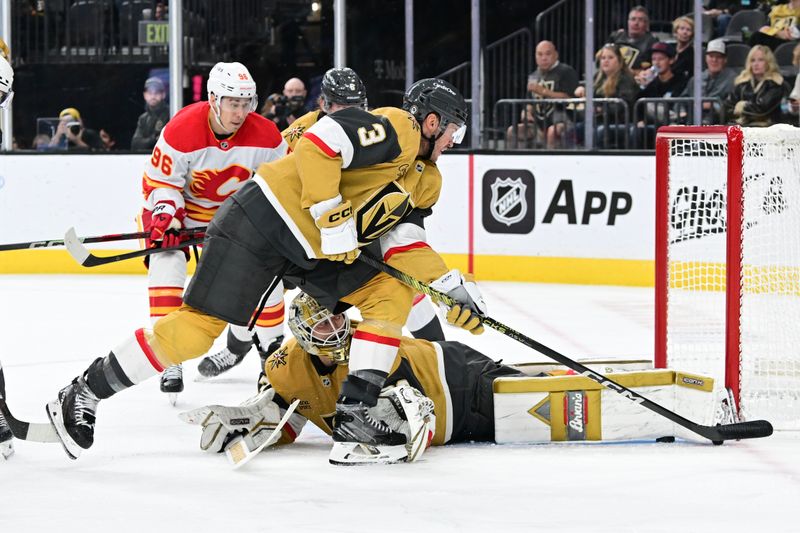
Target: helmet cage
318,331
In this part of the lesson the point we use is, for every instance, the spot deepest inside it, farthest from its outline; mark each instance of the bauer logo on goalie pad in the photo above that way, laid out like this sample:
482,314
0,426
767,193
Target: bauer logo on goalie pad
508,201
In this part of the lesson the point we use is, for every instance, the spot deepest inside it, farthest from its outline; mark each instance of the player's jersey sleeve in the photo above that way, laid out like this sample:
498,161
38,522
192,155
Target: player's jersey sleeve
165,172
296,129
348,139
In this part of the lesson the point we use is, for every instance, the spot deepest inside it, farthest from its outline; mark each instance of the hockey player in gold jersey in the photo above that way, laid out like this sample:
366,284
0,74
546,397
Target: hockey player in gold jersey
356,179
312,366
341,88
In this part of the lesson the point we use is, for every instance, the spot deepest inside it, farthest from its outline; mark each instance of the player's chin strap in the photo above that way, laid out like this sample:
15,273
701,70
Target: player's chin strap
218,113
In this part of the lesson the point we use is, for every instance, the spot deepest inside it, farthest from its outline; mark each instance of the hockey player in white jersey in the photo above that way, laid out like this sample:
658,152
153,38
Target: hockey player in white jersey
205,154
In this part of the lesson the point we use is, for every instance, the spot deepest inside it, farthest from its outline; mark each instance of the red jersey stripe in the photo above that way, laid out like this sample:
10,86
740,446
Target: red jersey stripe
380,339
148,351
400,249
320,144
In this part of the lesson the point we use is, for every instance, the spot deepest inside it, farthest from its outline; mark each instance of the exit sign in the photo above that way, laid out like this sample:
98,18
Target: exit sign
153,33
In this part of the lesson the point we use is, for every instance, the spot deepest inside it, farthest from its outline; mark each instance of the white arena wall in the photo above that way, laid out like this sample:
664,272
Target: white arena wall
547,218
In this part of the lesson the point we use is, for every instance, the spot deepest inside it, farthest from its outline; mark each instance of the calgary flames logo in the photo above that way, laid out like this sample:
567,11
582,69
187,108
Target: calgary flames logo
217,185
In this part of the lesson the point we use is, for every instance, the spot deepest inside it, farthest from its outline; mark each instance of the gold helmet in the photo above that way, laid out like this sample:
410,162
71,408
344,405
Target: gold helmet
318,331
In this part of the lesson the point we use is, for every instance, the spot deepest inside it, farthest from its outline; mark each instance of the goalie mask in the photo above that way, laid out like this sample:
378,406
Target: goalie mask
318,331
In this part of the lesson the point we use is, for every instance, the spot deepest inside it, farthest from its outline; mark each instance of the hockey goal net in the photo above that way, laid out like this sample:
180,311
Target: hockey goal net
728,262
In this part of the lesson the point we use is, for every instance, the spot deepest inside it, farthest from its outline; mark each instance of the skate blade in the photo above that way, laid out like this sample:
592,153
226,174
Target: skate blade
356,453
173,398
57,421
7,449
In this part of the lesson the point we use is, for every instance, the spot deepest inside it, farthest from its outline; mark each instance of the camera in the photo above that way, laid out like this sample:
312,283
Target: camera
285,106
74,127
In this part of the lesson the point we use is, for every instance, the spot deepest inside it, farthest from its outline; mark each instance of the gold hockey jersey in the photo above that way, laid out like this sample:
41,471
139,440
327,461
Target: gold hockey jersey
295,374
297,128
367,157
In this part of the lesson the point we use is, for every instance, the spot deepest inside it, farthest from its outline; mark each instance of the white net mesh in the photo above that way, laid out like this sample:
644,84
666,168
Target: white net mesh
769,351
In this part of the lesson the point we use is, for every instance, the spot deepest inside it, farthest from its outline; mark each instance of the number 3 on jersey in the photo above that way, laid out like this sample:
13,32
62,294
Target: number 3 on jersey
372,136
162,162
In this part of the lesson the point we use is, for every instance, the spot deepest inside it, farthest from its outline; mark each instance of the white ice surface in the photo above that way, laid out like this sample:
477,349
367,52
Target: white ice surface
146,473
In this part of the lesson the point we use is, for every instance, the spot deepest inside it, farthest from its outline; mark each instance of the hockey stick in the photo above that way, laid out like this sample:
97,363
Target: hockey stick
26,430
84,257
102,238
716,434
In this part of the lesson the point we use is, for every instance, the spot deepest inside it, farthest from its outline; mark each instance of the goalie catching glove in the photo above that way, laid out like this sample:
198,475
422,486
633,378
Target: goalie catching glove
470,305
337,229
165,221
254,420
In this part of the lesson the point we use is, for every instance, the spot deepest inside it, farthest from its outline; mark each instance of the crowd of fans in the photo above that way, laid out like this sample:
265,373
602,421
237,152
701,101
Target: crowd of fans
650,81
643,79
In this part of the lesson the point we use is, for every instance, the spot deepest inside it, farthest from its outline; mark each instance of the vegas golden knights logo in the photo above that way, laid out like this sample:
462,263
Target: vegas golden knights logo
381,212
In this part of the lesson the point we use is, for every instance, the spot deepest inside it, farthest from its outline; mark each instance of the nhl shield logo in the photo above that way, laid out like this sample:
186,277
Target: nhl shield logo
508,204
508,201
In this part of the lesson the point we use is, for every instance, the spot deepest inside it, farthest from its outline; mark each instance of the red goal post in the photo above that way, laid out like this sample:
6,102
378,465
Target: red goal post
727,284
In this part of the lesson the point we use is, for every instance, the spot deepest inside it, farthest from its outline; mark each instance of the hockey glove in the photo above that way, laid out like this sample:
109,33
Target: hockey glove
463,289
164,218
337,229
253,419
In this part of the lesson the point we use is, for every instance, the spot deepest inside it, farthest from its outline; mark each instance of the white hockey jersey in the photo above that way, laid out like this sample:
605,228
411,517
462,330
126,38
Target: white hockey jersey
195,170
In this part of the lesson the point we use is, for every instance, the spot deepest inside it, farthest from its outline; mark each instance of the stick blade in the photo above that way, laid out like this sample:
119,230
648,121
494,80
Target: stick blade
753,429
75,247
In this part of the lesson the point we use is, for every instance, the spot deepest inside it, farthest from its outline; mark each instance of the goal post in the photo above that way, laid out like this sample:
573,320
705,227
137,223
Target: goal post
727,278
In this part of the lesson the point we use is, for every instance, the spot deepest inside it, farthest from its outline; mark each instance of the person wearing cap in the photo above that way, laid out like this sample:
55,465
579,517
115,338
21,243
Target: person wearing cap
716,81
636,41
666,83
154,118
72,135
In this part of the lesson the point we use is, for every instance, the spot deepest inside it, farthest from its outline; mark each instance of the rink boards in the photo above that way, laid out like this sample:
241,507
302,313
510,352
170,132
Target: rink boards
544,218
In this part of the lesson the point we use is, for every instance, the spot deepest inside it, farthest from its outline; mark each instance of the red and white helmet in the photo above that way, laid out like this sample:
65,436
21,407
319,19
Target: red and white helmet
232,79
6,80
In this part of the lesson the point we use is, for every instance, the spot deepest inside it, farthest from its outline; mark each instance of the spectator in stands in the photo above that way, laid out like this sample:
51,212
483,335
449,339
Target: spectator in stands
72,135
683,31
613,80
666,84
794,96
109,141
721,12
551,79
637,40
41,142
783,19
285,108
155,116
758,90
716,82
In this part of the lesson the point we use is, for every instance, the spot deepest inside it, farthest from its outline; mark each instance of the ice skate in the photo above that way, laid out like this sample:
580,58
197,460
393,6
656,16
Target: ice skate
72,415
222,361
6,439
172,382
361,439
276,343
